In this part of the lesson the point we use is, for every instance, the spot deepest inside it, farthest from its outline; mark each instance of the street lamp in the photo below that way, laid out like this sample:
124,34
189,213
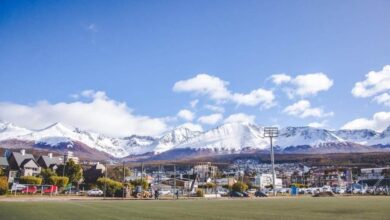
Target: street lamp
272,132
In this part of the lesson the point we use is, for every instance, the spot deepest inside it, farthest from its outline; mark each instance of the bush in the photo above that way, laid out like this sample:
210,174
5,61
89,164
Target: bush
112,186
60,181
46,174
199,193
142,183
3,185
240,187
30,180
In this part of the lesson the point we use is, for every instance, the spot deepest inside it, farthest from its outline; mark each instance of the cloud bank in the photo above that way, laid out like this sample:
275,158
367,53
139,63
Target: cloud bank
97,113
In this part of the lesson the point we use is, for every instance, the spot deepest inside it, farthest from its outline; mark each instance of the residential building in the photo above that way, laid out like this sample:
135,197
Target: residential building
24,164
50,162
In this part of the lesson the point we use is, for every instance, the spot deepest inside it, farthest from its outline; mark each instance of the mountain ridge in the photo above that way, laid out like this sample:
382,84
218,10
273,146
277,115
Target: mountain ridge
224,139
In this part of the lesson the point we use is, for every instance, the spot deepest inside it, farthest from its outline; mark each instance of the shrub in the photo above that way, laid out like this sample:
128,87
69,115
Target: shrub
112,186
30,180
240,187
46,174
199,193
142,183
60,181
3,185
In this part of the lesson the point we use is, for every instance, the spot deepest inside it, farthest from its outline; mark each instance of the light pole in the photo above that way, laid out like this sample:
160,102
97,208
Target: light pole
272,132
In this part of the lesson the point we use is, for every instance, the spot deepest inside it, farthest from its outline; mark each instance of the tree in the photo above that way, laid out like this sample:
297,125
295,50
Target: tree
139,182
60,181
3,185
239,187
116,173
72,170
110,185
46,174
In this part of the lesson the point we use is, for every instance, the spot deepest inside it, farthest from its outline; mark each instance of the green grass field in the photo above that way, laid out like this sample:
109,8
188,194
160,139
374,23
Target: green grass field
269,208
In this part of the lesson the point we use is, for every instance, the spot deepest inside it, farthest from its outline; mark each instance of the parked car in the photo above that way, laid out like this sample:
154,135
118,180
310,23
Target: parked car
260,194
252,191
245,194
30,189
163,192
17,187
94,192
222,192
235,194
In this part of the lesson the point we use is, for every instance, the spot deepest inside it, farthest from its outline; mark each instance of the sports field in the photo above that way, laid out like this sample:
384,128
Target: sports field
267,208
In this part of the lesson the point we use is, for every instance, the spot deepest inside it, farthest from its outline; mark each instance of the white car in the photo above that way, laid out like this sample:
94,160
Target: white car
164,192
17,187
95,192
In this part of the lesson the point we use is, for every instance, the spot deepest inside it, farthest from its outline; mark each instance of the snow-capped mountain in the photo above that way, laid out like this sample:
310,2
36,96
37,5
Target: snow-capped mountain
306,136
232,137
224,139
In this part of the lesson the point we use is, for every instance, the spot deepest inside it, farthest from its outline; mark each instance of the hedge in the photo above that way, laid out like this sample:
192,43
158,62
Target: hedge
112,186
60,181
30,180
3,185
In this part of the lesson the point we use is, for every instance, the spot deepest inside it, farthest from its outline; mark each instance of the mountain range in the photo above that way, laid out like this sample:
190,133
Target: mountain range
182,142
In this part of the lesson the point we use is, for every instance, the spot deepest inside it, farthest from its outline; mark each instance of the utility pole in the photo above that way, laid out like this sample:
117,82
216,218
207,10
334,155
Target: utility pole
174,180
142,172
272,132
63,168
105,181
123,190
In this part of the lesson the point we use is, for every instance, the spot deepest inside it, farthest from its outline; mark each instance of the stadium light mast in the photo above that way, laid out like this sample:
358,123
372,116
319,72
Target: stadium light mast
272,132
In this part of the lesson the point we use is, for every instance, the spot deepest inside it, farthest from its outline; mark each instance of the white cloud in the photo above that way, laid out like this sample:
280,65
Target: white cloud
303,109
204,84
304,85
375,83
216,89
186,114
215,108
383,99
279,79
318,124
192,126
379,122
193,103
211,119
256,97
99,113
240,117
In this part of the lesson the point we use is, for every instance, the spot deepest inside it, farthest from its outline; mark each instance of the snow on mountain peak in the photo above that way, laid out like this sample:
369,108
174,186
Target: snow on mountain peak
229,137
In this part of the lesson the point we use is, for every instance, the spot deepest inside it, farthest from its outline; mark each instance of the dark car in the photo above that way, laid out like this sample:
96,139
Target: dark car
245,194
235,194
260,194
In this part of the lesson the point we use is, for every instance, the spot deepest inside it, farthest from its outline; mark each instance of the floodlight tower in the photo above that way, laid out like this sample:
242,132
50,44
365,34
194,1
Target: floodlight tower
272,132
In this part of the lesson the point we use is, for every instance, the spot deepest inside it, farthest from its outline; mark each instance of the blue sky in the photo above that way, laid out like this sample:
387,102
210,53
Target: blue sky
134,52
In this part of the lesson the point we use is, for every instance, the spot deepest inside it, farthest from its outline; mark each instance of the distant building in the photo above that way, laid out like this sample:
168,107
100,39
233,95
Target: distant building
373,173
205,171
50,162
24,164
265,180
92,173
69,156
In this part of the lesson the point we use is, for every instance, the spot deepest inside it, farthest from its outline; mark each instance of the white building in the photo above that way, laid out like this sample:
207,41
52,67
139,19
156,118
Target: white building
265,180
